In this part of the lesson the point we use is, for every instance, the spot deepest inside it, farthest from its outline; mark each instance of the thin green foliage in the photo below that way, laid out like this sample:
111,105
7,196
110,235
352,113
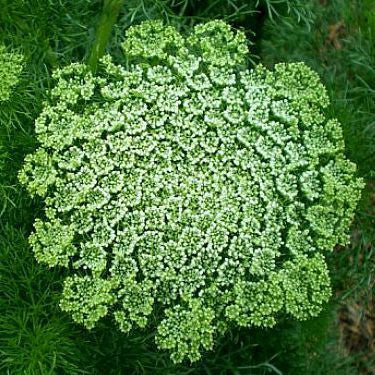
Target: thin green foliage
299,10
311,347
35,338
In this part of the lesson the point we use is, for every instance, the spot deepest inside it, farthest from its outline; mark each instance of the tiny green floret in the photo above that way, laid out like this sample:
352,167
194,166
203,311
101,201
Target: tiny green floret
10,69
186,181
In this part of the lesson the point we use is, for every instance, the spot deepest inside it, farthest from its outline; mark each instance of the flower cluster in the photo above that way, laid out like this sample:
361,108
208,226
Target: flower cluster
10,69
182,179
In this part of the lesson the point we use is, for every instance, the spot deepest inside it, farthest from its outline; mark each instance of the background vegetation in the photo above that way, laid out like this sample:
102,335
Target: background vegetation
334,37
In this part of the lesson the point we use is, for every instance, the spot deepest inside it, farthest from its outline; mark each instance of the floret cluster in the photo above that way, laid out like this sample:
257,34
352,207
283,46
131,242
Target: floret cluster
185,181
10,69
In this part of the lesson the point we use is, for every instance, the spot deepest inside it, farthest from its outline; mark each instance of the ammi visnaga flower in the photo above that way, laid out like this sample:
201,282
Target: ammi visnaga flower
10,69
182,179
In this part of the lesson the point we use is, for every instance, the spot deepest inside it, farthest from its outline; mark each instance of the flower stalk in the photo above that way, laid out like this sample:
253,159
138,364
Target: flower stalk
111,10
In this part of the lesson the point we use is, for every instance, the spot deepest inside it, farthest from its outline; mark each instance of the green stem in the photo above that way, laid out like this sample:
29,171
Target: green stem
111,10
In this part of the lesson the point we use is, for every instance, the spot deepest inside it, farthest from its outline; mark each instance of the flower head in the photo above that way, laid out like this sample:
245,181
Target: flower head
184,179
10,69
